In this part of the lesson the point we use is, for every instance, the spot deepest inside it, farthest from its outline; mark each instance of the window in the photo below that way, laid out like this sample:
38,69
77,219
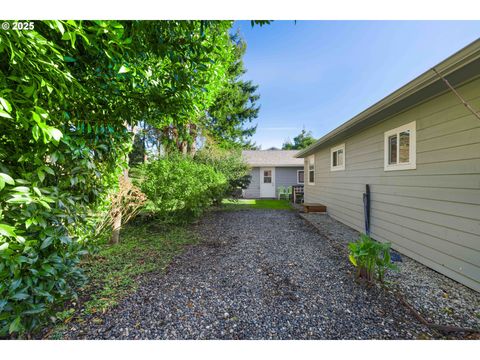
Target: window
311,170
300,176
267,176
337,155
400,153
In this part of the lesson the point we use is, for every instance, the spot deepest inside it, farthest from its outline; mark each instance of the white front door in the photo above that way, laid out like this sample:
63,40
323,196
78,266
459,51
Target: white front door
267,182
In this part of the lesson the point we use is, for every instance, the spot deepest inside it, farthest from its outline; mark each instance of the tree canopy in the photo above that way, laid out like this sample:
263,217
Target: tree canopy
301,141
72,96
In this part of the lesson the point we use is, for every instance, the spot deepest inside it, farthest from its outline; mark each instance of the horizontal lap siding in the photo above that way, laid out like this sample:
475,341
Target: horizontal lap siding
432,213
285,177
253,190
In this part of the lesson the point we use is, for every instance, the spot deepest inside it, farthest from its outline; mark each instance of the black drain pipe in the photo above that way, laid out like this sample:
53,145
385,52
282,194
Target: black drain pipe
366,208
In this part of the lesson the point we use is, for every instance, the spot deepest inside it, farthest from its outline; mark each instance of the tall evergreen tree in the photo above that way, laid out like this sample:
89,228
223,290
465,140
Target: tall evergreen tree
235,105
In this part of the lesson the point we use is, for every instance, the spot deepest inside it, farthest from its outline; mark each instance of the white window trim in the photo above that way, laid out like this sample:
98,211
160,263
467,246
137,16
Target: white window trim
298,182
412,164
311,157
332,150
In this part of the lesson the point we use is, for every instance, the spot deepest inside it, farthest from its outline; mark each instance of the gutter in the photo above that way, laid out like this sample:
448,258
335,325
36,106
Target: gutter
456,61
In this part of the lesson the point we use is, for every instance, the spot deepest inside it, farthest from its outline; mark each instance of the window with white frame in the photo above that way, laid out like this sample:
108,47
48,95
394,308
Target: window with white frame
311,170
267,176
337,158
400,148
300,176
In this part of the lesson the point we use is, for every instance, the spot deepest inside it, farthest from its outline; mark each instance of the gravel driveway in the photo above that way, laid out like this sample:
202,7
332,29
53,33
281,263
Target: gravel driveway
262,274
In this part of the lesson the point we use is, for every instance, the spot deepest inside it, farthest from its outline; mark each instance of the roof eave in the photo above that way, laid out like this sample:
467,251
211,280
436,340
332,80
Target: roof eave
276,165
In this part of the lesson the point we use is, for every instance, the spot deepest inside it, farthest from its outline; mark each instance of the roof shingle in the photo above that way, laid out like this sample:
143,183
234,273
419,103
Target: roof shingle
256,158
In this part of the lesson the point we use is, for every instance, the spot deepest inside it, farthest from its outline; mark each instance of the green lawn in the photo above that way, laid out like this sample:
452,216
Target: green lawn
246,204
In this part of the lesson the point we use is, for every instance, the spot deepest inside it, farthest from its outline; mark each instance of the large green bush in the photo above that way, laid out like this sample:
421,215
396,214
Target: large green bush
46,222
180,188
56,165
230,163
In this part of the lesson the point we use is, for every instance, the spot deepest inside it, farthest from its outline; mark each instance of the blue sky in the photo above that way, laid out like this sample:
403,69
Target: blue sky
319,74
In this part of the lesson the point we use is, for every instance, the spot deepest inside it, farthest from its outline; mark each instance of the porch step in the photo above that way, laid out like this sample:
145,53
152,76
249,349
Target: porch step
312,207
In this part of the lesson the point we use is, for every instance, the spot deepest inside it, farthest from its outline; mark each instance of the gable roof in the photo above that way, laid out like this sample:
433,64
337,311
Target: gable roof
459,68
257,158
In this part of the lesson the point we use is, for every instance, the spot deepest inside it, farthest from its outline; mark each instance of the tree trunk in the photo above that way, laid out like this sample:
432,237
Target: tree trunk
184,147
193,144
117,223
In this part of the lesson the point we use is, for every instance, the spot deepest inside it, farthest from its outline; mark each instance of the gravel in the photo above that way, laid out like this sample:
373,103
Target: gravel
269,274
438,298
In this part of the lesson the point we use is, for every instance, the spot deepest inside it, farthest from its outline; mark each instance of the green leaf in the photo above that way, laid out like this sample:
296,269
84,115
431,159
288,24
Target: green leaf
3,246
45,204
5,114
48,268
41,175
352,260
7,230
59,26
47,242
37,310
123,69
15,325
48,170
22,189
3,302
6,105
37,191
15,284
36,118
20,296
19,200
68,58
4,178
36,132
28,223
7,179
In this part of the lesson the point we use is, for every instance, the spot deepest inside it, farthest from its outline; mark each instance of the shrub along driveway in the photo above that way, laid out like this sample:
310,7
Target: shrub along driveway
258,274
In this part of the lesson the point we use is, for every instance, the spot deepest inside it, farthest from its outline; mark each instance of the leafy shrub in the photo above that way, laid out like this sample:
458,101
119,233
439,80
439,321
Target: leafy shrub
371,258
180,188
57,165
48,204
230,163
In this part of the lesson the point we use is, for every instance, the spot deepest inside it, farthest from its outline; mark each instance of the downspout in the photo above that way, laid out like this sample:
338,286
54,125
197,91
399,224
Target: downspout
366,209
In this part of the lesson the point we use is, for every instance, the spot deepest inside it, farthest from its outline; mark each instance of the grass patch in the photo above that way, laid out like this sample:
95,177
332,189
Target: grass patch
246,204
113,271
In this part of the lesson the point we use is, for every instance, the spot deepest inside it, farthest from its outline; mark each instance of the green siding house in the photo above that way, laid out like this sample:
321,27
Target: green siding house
418,149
